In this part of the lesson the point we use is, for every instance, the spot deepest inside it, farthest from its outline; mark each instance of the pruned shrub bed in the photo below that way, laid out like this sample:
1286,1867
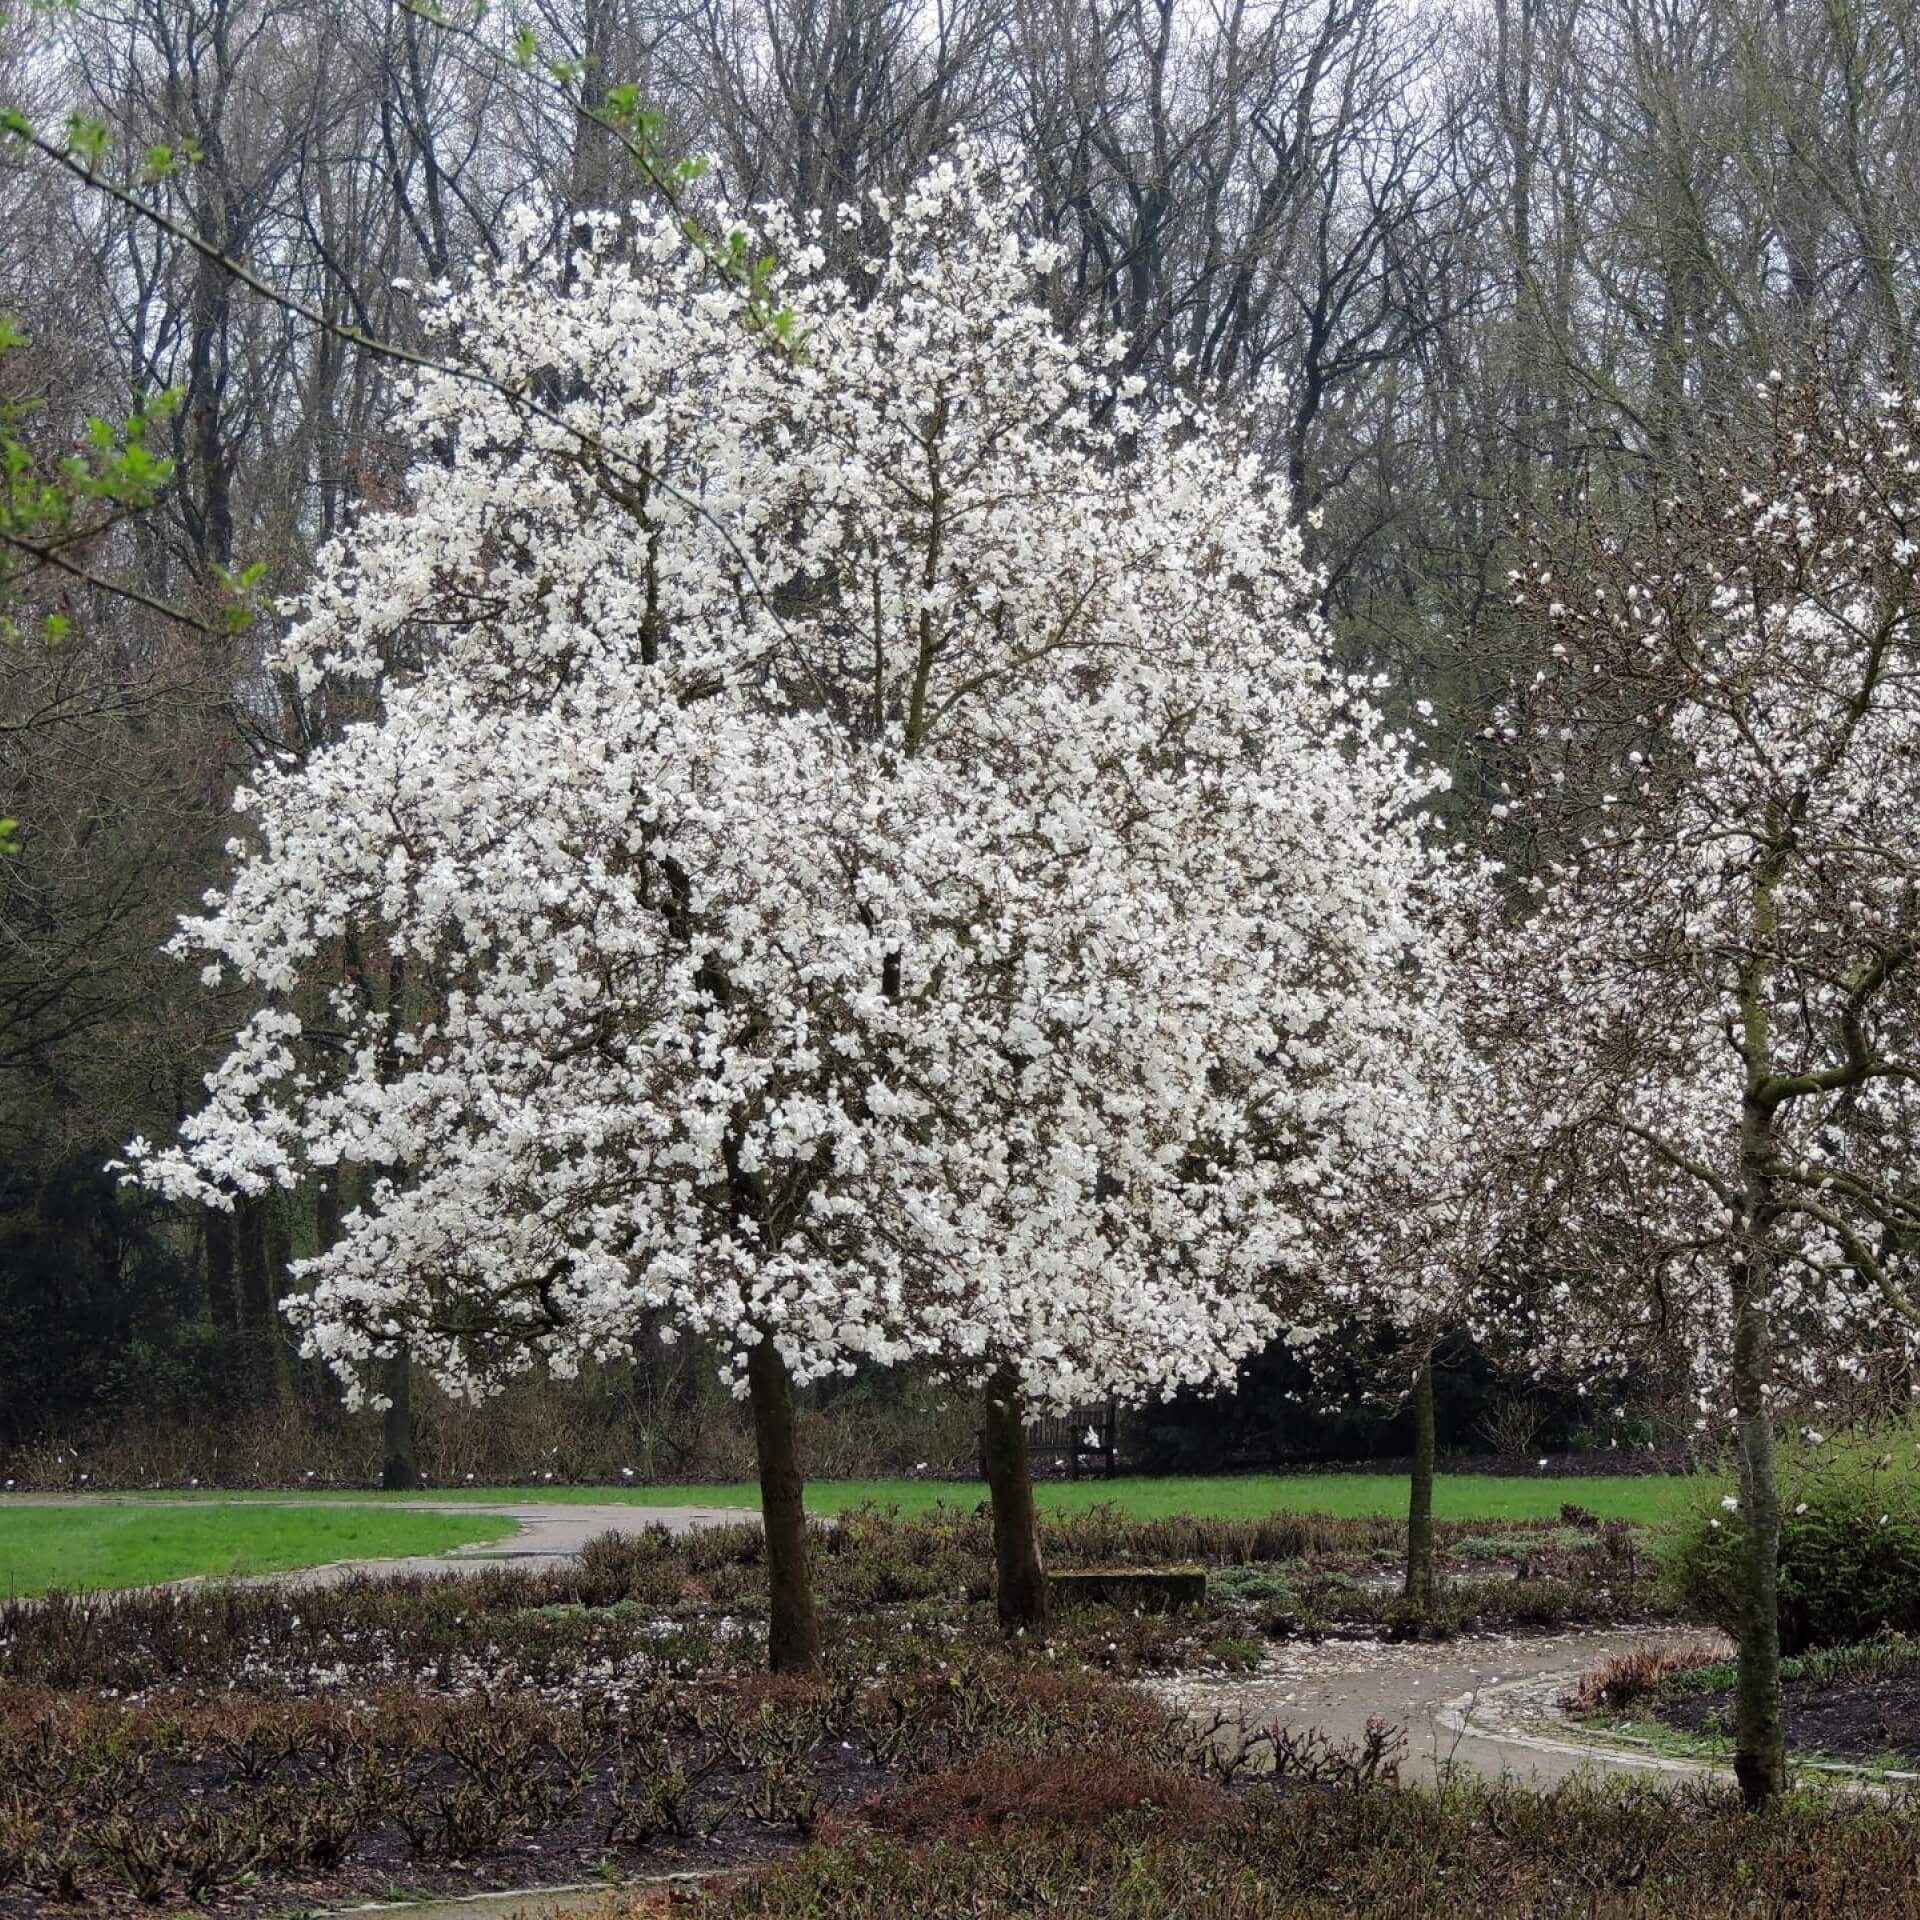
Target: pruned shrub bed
254,1795
697,1600
261,1749
1577,1852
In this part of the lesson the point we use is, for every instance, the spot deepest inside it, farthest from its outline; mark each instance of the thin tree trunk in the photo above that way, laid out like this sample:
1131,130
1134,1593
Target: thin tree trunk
1020,1580
329,1210
223,1295
277,1241
399,1465
250,1237
1420,1491
1759,1739
278,1231
793,1627
259,1310
1760,1755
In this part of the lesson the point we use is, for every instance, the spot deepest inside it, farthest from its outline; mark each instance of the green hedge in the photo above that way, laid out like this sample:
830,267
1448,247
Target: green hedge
1849,1545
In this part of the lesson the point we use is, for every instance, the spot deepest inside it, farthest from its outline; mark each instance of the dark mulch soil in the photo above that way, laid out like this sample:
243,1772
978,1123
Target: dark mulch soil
1867,1719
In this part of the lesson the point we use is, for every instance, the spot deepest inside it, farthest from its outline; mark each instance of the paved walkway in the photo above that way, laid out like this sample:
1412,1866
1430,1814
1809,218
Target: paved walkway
550,1534
1487,1703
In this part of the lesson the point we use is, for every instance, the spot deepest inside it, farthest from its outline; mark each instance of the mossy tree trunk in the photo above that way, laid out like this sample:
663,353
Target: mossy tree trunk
793,1631
1759,1740
1019,1578
1420,1489
1759,1756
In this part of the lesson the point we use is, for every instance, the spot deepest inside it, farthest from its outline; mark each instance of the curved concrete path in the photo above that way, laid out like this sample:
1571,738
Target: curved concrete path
549,1534
1487,1703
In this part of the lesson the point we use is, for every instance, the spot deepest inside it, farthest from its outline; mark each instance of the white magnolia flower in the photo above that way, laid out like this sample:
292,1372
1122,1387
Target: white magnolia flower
853,819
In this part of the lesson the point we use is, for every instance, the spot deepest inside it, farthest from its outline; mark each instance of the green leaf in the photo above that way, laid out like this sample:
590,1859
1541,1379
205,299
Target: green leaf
240,588
87,139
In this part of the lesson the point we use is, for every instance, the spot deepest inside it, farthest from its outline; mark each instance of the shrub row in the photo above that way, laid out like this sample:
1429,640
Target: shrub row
693,1601
1117,1842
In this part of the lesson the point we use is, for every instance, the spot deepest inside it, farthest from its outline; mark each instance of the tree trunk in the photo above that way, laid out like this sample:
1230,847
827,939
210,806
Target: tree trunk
259,1307
278,1230
223,1295
277,1240
250,1238
1420,1491
399,1466
1020,1581
329,1210
793,1627
1759,1756
1759,1739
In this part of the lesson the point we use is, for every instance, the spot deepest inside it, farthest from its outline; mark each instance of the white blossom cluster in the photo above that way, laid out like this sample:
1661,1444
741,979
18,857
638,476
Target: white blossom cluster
873,849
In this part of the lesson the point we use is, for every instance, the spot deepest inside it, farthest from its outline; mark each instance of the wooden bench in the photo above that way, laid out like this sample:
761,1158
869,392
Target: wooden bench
1149,1589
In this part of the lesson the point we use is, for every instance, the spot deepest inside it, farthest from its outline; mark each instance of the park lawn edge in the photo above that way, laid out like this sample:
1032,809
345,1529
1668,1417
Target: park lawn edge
1644,1498
113,1545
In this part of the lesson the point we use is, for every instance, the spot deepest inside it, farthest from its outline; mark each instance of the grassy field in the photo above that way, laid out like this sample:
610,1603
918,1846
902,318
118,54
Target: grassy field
138,1539
83,1548
1646,1498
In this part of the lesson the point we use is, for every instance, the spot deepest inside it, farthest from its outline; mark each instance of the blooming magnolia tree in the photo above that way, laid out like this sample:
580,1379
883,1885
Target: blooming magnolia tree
882,866
1712,1011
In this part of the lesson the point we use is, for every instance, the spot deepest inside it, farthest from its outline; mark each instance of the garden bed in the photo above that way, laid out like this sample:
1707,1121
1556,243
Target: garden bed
260,1749
1855,1705
1869,1722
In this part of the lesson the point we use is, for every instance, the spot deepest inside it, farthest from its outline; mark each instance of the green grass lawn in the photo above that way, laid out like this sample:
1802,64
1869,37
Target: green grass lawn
142,1538
1647,1498
84,1548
